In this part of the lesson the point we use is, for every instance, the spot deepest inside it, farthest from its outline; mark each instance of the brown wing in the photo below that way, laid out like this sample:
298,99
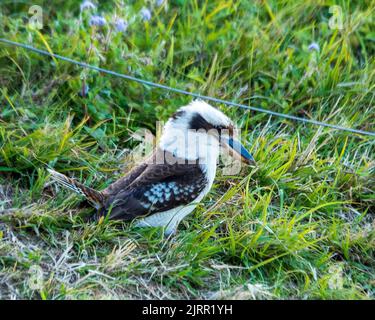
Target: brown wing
124,182
158,156
159,187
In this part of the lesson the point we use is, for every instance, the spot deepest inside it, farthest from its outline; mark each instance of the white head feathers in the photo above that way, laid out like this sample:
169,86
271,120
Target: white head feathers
186,134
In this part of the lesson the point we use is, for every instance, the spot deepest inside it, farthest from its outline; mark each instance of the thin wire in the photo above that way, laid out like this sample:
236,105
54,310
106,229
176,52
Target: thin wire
196,95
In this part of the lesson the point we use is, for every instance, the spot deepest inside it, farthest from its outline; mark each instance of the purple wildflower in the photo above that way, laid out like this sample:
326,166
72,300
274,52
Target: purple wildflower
314,46
121,25
145,14
87,5
98,21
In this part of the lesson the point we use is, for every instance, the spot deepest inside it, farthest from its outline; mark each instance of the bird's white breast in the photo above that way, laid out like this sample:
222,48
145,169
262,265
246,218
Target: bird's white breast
171,218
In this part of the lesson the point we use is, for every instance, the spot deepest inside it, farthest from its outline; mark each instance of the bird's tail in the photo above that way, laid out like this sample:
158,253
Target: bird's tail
96,198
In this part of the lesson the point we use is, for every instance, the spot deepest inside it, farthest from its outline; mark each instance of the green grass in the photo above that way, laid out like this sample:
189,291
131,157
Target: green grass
301,225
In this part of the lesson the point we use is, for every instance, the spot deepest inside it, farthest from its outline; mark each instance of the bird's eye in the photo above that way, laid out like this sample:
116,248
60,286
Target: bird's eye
223,130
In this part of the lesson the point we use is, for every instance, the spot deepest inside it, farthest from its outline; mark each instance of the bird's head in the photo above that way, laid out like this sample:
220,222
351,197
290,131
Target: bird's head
197,131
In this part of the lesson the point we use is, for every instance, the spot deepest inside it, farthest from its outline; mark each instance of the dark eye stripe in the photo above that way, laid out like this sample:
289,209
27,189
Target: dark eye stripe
198,122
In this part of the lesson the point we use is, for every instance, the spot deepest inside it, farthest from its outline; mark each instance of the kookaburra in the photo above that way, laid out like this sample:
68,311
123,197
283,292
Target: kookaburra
167,186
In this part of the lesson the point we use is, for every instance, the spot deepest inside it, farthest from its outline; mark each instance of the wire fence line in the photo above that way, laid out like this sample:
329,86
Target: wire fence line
176,90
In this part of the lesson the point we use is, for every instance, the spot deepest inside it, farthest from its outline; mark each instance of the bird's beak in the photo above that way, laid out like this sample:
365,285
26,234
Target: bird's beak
239,151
